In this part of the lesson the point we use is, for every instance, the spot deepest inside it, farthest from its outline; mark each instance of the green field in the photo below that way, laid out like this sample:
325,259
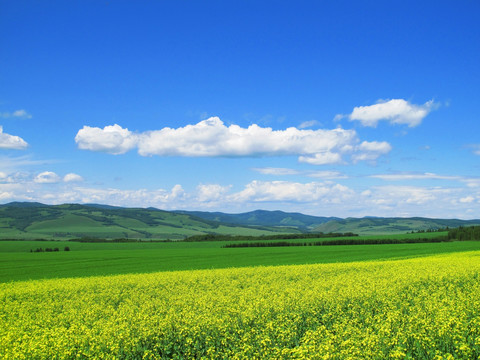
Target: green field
89,259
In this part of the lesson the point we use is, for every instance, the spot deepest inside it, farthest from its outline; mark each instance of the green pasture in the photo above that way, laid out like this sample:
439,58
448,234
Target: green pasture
89,259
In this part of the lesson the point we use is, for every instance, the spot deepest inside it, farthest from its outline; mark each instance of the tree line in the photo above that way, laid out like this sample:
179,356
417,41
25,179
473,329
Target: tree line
220,237
339,242
464,233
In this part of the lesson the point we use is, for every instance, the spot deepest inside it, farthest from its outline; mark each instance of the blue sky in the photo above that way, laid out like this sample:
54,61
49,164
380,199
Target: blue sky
335,109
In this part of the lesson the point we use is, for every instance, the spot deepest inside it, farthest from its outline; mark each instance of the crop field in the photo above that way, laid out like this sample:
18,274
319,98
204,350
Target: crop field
419,308
92,259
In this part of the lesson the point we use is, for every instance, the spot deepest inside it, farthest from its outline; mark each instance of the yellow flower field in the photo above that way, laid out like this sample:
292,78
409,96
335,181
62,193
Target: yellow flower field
423,308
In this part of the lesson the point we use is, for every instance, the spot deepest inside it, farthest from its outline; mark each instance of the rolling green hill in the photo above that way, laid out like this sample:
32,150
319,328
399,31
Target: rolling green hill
373,225
302,222
34,220
23,220
307,223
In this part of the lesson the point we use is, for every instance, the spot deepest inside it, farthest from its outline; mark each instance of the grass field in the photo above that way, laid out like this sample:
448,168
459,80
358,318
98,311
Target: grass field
89,259
422,308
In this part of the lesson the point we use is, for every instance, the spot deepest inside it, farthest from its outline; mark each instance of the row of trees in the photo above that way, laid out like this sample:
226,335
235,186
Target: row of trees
464,233
338,242
217,237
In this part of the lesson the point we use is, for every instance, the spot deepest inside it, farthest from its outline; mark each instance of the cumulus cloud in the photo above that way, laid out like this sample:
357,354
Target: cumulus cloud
20,114
399,196
126,197
111,139
395,111
262,191
71,177
325,197
177,192
11,141
211,138
211,192
371,150
46,177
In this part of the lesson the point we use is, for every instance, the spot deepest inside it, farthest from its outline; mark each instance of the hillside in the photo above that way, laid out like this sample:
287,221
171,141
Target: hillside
35,220
308,223
302,222
374,225
24,220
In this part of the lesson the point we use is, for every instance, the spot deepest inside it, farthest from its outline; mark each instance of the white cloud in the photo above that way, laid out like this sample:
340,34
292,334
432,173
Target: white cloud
21,114
472,182
71,177
120,197
322,158
325,198
308,124
177,192
263,191
47,177
399,196
327,175
211,192
415,176
467,199
15,177
211,138
11,141
371,150
395,111
276,171
111,139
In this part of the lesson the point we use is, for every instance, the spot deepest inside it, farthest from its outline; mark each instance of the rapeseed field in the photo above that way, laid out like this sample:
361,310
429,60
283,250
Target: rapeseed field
421,308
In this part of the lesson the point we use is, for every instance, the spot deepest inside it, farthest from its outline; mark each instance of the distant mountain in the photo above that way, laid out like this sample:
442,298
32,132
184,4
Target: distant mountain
34,220
277,218
20,204
377,225
25,220
368,225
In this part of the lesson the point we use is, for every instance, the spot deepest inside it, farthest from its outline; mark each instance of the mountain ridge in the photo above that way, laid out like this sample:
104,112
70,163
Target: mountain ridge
37,220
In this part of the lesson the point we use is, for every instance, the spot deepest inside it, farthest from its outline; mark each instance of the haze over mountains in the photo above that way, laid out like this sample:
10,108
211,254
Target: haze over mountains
24,220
